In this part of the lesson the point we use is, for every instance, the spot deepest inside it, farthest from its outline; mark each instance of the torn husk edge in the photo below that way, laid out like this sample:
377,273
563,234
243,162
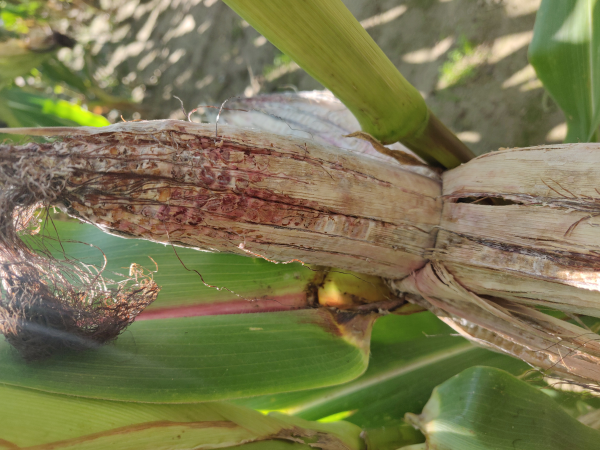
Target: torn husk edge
501,325
518,232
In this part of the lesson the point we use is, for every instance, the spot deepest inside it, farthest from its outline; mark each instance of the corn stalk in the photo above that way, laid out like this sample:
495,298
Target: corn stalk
498,236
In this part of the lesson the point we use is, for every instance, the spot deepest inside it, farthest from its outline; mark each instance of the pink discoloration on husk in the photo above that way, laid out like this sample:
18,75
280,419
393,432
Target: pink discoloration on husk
282,198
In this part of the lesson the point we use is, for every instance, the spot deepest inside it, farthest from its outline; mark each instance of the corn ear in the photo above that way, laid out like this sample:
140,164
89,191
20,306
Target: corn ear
254,194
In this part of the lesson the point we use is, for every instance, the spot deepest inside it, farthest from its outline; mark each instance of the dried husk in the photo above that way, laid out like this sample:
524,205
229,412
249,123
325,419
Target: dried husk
316,115
519,230
247,192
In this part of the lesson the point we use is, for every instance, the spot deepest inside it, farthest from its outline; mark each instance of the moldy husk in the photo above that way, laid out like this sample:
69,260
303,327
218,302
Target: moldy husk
48,305
248,193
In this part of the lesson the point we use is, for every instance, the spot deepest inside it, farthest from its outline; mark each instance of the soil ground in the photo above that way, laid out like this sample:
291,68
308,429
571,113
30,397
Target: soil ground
467,57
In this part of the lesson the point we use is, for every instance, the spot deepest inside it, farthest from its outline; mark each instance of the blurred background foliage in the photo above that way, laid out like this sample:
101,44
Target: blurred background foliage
41,85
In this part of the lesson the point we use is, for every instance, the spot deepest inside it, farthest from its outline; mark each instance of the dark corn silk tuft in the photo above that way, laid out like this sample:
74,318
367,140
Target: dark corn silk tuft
49,305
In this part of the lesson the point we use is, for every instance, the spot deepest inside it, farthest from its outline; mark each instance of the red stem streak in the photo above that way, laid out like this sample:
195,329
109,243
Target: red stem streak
278,303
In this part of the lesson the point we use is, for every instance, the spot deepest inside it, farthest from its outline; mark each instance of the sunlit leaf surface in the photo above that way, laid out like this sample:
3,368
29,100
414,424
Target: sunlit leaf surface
488,409
31,418
19,108
199,358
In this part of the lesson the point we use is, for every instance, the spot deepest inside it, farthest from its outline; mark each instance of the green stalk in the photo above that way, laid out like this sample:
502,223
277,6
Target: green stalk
325,39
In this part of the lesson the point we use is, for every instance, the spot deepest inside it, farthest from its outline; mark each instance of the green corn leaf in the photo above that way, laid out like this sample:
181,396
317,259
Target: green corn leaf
235,278
410,355
15,61
19,108
577,402
54,71
275,445
565,52
485,408
197,359
392,436
325,39
31,418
